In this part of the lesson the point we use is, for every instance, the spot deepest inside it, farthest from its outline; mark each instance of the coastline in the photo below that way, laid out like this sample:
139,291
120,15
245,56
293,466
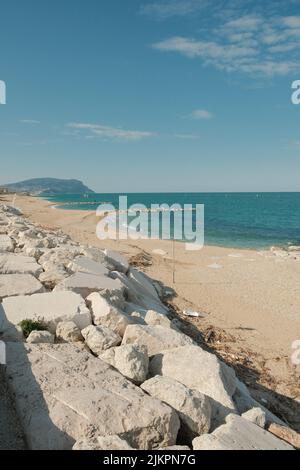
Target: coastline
247,297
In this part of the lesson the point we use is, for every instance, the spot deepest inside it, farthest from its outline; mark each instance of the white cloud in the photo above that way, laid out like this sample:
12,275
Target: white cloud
201,114
291,21
29,121
107,132
237,36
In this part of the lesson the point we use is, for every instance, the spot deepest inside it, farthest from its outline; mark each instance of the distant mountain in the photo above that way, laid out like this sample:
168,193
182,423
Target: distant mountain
49,186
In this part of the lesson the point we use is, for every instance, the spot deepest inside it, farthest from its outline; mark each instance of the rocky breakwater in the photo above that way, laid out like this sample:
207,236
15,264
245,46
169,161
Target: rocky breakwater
95,362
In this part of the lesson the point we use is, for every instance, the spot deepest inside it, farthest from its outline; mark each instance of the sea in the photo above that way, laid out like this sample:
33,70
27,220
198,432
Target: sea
237,220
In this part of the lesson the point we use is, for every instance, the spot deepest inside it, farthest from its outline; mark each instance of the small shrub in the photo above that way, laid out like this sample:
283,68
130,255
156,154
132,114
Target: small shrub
27,326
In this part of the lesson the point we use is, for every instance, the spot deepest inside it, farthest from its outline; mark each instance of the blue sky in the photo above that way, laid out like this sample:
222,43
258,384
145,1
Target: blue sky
132,95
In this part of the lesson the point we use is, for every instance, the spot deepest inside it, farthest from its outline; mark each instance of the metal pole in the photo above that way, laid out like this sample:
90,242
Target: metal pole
173,264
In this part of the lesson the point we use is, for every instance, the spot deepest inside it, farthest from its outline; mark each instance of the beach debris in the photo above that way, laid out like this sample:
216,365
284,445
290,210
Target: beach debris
215,266
235,255
158,251
286,434
191,313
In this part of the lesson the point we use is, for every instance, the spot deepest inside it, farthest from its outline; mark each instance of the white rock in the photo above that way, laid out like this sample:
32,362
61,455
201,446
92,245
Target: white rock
156,338
131,361
84,284
256,416
138,294
103,313
245,402
202,371
175,448
51,278
68,331
102,443
6,244
239,434
19,284
40,337
153,318
63,395
193,407
100,338
49,308
86,265
13,263
119,262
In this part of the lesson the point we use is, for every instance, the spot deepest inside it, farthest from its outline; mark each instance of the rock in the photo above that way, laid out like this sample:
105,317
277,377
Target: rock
244,402
84,284
40,337
68,331
60,256
86,265
153,318
131,361
286,434
6,244
51,278
175,448
118,261
239,434
13,263
102,443
19,284
103,313
193,407
202,371
138,294
256,416
64,395
156,338
100,338
49,308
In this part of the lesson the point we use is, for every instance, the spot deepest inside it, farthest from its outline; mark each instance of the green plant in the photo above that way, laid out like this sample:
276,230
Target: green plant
27,326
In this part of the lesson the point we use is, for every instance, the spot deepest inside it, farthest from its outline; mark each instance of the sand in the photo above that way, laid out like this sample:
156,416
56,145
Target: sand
249,299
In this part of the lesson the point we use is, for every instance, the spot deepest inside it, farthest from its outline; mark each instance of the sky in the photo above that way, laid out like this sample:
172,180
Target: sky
151,95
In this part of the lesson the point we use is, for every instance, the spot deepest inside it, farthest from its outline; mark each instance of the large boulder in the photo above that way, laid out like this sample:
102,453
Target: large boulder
153,318
6,244
19,284
64,394
118,261
202,371
239,434
87,265
36,337
139,293
193,407
68,331
156,338
100,338
85,283
104,313
14,263
48,308
131,361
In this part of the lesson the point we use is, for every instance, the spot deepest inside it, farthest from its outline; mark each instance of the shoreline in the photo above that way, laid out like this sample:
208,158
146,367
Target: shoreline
247,298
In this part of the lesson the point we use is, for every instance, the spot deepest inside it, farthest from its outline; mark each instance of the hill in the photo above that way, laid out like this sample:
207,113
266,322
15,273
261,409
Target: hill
49,186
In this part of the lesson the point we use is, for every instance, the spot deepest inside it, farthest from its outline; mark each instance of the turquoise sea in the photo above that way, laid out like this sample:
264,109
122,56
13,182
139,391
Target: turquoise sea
244,220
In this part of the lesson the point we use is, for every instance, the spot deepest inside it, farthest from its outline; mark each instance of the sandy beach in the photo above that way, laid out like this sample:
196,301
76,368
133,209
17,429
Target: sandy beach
249,300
